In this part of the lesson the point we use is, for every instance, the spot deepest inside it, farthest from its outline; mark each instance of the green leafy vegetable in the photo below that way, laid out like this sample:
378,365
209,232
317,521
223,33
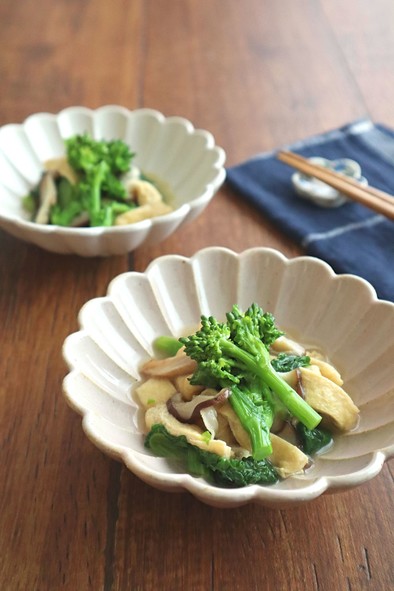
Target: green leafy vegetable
29,203
235,354
232,472
313,440
287,362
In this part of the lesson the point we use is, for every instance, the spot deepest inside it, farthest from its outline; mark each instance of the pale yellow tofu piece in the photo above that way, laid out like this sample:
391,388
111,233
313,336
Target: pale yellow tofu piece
155,391
224,432
286,457
285,345
242,436
62,166
314,369
315,354
185,388
329,400
143,192
327,370
143,212
159,415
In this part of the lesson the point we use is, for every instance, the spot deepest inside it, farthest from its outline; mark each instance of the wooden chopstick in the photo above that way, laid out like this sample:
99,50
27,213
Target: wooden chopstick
375,199
376,192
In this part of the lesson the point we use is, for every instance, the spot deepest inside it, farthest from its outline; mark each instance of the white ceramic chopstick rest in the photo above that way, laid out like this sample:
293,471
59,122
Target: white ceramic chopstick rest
320,193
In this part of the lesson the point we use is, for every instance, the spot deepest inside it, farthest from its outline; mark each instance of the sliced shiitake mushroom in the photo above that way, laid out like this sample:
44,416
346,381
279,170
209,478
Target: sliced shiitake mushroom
189,411
48,197
170,367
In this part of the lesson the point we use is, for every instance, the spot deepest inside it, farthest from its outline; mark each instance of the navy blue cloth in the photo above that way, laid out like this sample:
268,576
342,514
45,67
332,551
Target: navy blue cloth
351,238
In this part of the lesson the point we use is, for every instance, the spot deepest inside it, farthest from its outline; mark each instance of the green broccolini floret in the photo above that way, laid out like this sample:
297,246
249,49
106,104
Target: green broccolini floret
85,153
236,353
222,471
99,164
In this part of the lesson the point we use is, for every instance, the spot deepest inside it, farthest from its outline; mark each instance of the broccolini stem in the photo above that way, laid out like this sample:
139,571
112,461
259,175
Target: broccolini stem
96,196
256,424
259,365
297,406
97,176
167,345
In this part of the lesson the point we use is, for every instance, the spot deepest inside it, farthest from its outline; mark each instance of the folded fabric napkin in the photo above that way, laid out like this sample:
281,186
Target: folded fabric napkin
351,238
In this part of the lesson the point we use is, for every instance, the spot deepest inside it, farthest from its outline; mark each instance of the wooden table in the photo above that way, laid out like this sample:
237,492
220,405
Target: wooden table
257,74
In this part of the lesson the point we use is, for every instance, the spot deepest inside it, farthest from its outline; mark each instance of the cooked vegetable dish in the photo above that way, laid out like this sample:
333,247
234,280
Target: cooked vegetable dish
239,403
95,184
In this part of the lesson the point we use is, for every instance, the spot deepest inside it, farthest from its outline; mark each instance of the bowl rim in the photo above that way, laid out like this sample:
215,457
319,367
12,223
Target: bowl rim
178,213
210,494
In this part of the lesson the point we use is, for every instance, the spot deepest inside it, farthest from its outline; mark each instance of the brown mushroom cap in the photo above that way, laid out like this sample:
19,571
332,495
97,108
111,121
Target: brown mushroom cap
170,367
48,197
189,411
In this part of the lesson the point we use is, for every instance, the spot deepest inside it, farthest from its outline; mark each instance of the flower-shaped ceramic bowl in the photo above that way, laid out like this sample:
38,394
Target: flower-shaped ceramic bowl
170,148
339,314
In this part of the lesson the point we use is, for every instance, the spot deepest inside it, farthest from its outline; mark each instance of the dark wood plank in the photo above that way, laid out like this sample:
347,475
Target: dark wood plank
69,53
365,40
54,483
57,491
175,542
257,77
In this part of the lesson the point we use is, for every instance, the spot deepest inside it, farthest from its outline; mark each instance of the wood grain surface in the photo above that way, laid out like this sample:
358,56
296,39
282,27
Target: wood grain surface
258,74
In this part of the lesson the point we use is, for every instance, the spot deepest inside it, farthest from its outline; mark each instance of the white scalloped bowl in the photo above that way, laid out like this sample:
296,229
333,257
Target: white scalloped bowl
185,158
339,313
